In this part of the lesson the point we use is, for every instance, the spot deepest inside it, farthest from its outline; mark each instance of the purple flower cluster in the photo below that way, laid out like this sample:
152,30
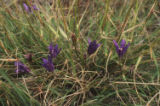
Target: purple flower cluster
28,8
48,64
92,46
53,52
21,68
122,49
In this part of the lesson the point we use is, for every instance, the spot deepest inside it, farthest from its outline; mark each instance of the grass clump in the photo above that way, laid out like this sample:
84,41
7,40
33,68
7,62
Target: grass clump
85,72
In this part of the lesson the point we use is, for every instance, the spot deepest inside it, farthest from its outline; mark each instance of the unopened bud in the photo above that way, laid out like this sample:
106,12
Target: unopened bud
28,57
74,39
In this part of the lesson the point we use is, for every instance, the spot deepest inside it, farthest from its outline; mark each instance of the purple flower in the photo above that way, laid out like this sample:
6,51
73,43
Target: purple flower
28,9
21,67
92,46
35,7
48,64
54,51
122,49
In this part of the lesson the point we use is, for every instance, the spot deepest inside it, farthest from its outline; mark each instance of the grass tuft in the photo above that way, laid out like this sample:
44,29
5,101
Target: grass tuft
102,78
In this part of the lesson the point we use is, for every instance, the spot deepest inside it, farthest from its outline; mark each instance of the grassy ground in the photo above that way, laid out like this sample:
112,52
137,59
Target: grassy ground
102,79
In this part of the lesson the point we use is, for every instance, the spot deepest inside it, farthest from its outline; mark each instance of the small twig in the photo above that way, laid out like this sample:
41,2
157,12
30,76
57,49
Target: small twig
137,83
148,103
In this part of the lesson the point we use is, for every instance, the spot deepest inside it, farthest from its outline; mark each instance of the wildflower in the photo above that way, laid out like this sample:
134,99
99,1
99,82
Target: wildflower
28,9
122,49
92,46
35,7
54,51
21,67
47,63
